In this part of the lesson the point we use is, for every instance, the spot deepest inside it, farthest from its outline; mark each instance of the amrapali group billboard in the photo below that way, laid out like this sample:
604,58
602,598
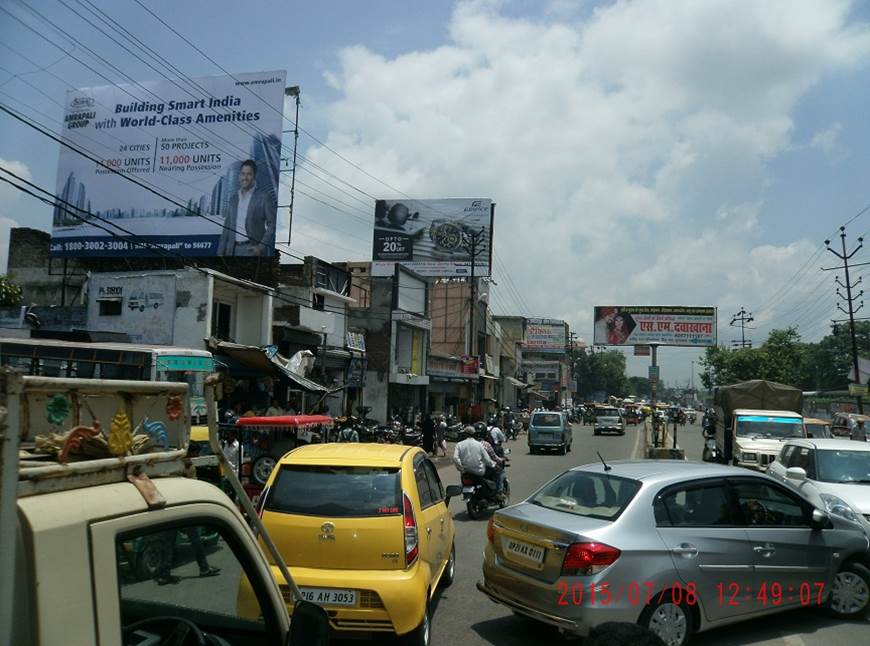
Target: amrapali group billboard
209,148
641,325
432,237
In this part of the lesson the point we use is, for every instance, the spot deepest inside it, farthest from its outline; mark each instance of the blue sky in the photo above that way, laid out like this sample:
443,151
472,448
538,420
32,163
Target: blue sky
639,152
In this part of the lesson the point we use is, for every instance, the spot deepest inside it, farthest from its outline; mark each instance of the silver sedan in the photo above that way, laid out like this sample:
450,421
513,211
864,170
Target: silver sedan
679,547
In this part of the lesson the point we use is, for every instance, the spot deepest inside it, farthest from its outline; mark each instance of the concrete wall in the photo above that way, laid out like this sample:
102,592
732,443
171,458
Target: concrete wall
147,306
193,309
28,266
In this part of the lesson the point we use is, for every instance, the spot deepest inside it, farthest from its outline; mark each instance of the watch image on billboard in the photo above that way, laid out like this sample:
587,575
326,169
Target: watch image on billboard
434,238
189,172
665,325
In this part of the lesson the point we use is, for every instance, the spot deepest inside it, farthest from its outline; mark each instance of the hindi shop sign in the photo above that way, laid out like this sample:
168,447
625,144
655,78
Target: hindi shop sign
544,335
211,155
644,325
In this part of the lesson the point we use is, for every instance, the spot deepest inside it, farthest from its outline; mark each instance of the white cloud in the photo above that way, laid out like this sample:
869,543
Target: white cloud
827,140
627,152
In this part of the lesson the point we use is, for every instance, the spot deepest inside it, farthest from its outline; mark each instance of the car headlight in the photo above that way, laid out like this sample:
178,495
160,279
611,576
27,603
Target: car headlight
749,457
838,506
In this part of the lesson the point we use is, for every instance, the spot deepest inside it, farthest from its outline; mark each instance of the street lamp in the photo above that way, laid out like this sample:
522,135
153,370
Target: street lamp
294,91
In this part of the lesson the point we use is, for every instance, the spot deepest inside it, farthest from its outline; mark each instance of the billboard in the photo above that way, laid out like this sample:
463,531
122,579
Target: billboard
209,150
641,325
545,335
432,237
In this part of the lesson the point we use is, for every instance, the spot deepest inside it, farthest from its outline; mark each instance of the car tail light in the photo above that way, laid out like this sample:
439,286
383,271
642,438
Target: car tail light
467,480
588,558
412,544
490,532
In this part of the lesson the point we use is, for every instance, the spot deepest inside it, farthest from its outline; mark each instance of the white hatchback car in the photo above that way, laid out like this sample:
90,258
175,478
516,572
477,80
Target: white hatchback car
833,473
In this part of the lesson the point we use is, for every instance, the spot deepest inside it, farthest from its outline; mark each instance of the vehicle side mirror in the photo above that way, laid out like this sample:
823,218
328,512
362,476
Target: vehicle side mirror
309,625
796,473
820,519
452,491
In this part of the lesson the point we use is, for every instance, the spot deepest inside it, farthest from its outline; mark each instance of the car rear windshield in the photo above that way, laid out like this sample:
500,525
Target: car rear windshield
587,494
607,412
337,491
546,419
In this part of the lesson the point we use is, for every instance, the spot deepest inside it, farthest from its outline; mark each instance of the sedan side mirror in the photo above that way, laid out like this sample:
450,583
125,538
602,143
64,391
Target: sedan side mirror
796,473
452,490
820,520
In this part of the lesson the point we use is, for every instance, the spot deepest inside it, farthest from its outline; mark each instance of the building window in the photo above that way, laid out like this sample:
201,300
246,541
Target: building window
221,321
317,302
110,308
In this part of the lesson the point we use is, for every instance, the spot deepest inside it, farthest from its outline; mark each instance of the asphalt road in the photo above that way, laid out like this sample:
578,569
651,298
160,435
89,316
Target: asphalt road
462,615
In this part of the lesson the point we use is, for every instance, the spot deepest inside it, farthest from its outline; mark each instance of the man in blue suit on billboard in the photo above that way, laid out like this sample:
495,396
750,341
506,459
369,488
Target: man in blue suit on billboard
252,234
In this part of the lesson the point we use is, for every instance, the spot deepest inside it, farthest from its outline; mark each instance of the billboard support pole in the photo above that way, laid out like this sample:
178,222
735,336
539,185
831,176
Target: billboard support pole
654,352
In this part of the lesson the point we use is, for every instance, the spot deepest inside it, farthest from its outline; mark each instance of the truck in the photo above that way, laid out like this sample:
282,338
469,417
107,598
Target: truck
107,537
753,419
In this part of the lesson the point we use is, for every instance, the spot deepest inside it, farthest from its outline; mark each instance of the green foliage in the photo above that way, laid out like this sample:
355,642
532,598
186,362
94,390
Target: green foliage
601,372
10,293
784,358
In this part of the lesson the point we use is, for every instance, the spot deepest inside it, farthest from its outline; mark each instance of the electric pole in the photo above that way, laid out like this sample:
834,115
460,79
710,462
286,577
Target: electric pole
293,91
742,317
850,300
474,247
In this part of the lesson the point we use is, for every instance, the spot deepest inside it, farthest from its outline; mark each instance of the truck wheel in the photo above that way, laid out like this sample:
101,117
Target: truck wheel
155,554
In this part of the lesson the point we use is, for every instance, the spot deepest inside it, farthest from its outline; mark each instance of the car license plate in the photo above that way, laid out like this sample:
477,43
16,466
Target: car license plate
524,551
329,596
467,489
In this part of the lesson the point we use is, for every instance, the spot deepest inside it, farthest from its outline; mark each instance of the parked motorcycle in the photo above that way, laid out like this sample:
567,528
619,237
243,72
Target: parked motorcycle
480,495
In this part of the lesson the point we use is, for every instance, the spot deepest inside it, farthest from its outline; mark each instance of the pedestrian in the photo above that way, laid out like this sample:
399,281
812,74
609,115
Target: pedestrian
440,436
858,433
428,434
164,573
274,409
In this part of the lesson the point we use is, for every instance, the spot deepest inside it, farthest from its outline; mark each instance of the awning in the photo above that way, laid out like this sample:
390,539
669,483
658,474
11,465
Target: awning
256,358
539,394
489,377
517,382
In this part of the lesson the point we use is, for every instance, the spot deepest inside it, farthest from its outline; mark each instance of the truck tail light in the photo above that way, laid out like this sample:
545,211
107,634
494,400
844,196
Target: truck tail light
412,544
490,532
588,558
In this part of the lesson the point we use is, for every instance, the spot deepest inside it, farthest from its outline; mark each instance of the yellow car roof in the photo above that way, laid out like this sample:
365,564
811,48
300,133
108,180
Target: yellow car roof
351,453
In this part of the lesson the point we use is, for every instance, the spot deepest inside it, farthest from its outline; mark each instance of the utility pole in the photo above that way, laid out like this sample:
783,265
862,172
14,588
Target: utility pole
743,317
293,91
473,246
850,300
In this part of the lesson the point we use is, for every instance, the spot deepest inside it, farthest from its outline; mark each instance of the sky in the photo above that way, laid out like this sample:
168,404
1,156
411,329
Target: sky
650,152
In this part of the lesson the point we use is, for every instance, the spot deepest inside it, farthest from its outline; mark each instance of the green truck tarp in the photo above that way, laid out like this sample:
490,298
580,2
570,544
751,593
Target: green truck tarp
756,394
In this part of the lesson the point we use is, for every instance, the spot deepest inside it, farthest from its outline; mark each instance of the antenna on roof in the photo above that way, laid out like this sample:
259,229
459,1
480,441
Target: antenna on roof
606,467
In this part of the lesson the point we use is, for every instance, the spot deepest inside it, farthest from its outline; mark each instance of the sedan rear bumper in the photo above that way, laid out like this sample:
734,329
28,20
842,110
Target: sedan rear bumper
538,615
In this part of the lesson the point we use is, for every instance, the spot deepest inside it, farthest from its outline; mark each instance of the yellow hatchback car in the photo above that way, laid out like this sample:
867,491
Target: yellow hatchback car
366,533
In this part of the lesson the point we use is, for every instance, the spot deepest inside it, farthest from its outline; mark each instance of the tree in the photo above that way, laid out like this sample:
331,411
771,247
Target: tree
601,372
10,293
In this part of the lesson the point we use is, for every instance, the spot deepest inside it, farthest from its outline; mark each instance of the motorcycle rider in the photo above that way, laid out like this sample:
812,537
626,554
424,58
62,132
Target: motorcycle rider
497,473
496,437
470,456
348,434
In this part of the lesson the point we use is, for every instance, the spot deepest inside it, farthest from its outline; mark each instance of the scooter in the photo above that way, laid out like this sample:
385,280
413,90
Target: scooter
480,496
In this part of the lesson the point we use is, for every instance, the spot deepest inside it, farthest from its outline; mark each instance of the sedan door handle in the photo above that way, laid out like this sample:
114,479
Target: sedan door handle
428,530
765,550
685,549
